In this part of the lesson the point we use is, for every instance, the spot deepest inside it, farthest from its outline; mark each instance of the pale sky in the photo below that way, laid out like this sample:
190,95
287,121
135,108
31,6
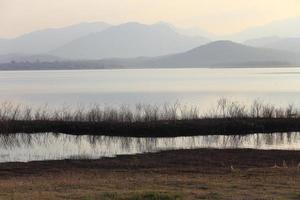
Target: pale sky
216,16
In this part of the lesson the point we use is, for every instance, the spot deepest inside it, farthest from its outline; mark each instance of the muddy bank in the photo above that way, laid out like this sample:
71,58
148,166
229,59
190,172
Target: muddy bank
171,175
199,160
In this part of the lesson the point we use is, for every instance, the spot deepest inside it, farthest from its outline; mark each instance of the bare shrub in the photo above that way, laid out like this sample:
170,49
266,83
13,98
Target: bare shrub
189,112
291,112
256,109
236,110
268,111
222,106
144,112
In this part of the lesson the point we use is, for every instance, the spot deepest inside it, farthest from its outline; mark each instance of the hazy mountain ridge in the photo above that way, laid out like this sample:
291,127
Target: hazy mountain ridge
20,58
224,53
287,44
153,44
129,40
43,41
215,54
261,42
191,31
281,28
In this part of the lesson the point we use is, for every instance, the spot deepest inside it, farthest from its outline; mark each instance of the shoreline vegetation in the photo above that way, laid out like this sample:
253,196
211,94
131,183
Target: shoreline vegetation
144,120
94,65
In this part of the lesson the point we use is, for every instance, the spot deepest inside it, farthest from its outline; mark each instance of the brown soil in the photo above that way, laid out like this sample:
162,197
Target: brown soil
182,174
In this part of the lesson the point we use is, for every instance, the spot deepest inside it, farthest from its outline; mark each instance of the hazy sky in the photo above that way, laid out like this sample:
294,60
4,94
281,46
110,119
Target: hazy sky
217,16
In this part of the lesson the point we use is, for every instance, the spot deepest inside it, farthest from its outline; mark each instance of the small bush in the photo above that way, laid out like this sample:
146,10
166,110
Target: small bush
140,196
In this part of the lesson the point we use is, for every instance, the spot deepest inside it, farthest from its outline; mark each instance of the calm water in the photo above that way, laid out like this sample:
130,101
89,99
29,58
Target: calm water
49,146
156,86
201,87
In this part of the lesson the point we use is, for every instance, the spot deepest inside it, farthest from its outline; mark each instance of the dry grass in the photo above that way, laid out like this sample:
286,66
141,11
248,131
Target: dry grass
133,177
245,184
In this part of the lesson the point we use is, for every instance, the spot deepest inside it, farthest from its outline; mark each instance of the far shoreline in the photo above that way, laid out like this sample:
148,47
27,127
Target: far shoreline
141,68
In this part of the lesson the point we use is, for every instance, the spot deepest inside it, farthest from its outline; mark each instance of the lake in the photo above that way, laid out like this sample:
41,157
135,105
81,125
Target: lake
50,146
201,87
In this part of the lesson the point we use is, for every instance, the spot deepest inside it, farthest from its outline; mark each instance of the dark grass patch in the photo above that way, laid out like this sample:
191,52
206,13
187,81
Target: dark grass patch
156,128
140,196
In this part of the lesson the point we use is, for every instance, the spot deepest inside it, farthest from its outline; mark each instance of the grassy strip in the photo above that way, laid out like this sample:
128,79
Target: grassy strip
190,174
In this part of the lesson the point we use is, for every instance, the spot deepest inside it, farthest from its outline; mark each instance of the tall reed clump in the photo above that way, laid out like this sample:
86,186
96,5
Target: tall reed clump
225,109
233,109
97,113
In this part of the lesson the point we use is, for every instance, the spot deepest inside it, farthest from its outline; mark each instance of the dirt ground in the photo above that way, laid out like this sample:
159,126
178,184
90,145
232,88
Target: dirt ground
182,174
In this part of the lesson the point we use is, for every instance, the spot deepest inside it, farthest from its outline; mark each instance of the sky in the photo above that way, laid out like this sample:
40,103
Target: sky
220,17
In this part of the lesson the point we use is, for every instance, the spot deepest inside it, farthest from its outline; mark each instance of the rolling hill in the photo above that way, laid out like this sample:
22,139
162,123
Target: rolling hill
217,54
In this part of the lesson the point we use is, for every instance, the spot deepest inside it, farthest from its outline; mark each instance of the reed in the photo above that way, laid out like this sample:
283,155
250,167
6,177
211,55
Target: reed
224,109
144,119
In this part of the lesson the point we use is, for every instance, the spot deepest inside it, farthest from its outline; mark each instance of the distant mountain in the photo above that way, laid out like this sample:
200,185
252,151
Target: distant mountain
261,42
129,40
195,32
43,41
215,54
283,28
287,44
223,54
191,31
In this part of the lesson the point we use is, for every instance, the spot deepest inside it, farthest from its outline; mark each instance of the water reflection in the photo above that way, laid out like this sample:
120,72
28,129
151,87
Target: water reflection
51,146
194,86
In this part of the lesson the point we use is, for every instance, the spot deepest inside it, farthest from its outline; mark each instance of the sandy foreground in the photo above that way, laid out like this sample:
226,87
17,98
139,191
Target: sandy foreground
181,174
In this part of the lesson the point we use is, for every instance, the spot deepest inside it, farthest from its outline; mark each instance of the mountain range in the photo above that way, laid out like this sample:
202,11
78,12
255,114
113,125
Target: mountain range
214,54
156,45
129,40
282,28
43,41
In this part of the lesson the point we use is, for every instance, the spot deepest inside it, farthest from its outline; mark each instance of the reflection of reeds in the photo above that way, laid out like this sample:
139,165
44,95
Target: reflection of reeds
227,116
